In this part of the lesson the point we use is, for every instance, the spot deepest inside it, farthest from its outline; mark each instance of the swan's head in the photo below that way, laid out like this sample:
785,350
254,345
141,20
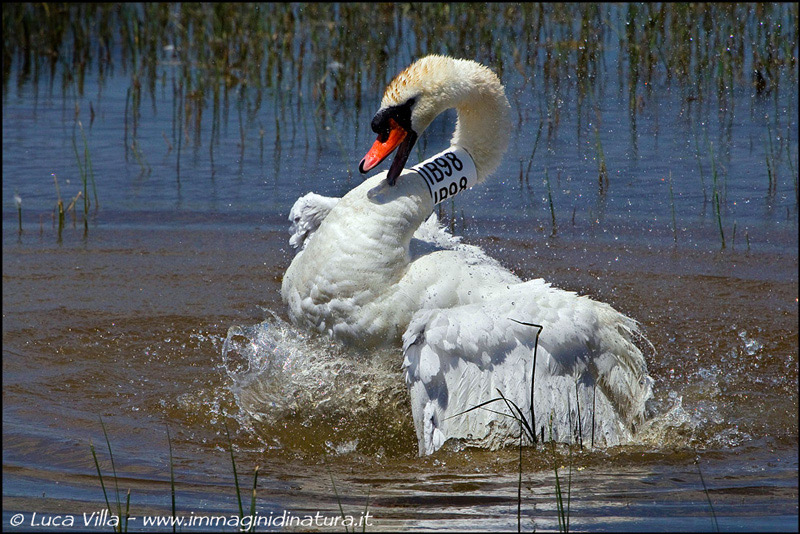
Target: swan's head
410,103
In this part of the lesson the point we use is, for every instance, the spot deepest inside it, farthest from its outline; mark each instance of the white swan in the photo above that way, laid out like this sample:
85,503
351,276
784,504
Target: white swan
375,265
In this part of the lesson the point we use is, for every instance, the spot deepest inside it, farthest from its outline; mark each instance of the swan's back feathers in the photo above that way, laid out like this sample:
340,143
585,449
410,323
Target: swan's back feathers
457,358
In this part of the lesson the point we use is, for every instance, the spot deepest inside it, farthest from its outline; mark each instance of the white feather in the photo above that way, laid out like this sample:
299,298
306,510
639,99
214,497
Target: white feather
306,215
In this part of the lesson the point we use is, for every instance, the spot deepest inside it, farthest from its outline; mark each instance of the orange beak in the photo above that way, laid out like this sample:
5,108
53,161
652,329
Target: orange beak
381,149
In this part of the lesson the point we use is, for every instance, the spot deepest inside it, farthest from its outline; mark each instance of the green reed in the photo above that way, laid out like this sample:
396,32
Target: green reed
578,424
708,496
263,45
172,481
533,152
59,209
771,161
253,499
335,491
18,205
314,58
236,484
86,173
562,510
527,425
122,521
554,226
715,194
602,170
235,475
71,206
672,209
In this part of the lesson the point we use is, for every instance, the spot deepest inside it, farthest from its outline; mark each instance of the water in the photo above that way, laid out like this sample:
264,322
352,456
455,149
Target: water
166,313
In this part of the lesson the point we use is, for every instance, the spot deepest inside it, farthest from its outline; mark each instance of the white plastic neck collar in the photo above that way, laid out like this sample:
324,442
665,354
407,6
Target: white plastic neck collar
448,173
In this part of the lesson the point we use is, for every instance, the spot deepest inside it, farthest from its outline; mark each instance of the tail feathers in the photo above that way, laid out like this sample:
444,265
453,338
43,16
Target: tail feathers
619,365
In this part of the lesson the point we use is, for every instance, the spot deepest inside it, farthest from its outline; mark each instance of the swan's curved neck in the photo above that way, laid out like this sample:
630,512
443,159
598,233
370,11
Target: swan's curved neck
484,118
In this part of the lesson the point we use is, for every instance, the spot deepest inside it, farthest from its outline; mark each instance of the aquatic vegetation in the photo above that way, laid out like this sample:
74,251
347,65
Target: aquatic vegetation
59,209
716,194
313,49
550,202
708,496
315,62
86,172
672,209
121,525
527,427
562,509
120,521
18,205
336,493
171,479
602,170
236,485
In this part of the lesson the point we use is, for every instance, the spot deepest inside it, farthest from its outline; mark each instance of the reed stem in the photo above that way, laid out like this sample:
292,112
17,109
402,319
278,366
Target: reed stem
672,208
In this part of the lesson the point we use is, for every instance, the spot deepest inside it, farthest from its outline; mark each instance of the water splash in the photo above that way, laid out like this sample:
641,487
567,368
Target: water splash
751,346
306,393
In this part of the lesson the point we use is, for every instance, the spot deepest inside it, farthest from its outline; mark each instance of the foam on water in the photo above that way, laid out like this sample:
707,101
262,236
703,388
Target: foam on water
306,392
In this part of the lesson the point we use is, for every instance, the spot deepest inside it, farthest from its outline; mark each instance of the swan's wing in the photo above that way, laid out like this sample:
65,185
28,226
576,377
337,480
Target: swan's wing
458,358
306,215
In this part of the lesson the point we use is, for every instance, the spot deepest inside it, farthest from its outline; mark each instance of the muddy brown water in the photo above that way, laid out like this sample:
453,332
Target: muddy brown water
129,327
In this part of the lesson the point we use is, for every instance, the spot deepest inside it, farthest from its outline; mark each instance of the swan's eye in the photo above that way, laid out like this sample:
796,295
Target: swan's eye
400,115
384,126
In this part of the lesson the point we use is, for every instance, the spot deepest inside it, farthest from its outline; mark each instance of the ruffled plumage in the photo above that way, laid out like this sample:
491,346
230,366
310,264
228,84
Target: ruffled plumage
376,266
